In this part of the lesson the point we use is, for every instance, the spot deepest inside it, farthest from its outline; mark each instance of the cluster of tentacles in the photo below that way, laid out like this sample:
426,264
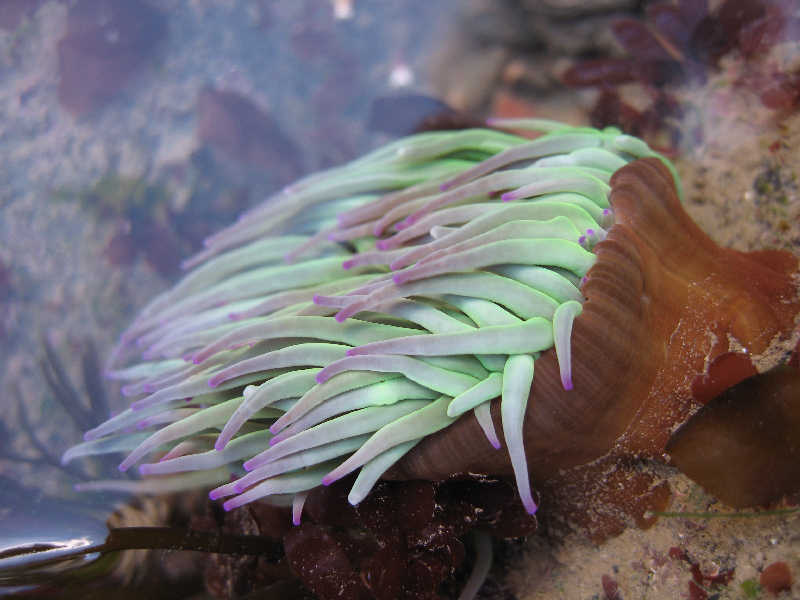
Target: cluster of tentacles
362,309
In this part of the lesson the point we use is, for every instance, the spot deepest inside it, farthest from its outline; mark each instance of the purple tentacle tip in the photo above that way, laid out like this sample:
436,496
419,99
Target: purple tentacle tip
567,383
320,378
348,264
122,467
326,481
507,197
530,507
228,506
382,244
213,495
280,437
582,239
445,186
412,219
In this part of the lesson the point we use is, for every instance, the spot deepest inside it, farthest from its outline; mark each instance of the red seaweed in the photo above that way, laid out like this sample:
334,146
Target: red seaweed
701,582
107,43
405,541
234,125
610,588
683,41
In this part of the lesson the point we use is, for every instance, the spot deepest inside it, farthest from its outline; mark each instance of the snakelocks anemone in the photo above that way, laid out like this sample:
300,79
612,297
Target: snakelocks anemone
360,316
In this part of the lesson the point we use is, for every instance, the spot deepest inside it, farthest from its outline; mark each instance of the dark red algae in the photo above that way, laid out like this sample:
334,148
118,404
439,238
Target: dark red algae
233,124
405,541
106,45
682,42
610,588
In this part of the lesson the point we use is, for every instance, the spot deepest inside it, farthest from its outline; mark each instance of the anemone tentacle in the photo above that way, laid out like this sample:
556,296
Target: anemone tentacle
361,309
